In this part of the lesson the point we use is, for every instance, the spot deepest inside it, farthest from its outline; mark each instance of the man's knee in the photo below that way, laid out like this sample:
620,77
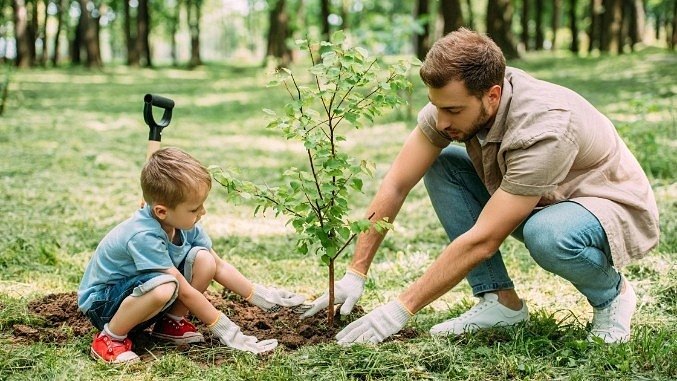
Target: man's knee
451,159
542,240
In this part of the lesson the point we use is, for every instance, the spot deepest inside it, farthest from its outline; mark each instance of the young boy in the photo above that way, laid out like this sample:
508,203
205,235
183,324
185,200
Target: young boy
155,266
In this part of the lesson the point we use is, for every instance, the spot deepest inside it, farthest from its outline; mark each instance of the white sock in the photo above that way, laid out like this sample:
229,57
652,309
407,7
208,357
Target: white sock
174,317
108,332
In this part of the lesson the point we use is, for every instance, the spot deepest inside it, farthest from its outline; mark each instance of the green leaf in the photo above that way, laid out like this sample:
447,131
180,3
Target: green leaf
338,37
269,112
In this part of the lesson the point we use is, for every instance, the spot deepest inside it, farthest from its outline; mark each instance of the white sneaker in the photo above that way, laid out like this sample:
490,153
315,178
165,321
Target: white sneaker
612,324
485,314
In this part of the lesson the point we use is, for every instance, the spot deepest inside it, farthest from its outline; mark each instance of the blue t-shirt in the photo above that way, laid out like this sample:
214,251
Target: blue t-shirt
134,246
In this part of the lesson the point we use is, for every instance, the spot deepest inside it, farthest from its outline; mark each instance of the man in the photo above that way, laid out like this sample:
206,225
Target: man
539,163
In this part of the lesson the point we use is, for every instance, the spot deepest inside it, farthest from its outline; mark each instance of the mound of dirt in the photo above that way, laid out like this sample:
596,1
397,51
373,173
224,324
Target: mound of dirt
62,321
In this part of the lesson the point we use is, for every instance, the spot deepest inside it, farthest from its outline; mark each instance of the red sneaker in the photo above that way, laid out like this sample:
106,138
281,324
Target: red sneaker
112,351
179,332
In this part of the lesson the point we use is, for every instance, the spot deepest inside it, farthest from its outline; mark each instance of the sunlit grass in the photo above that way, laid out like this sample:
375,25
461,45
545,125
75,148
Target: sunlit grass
72,143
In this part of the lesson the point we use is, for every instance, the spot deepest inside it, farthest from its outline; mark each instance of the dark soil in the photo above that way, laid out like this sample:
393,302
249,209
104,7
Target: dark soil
62,321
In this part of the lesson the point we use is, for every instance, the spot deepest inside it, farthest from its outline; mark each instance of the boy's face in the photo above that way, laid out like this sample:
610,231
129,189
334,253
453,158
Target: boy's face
185,215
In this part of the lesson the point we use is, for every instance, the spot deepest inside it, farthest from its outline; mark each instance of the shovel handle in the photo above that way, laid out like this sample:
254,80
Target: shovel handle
167,104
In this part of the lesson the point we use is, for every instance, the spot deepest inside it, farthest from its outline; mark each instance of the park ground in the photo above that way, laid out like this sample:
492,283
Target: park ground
72,143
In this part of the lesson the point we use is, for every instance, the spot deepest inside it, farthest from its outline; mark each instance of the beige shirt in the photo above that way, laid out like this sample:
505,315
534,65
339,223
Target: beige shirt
549,141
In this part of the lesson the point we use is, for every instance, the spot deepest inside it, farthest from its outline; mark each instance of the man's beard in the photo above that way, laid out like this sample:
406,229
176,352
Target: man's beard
479,124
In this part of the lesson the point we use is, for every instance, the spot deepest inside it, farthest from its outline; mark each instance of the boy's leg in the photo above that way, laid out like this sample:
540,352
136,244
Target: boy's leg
124,306
458,197
198,268
567,240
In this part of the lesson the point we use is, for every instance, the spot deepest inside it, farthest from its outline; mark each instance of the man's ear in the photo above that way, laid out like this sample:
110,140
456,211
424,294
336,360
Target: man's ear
160,211
494,95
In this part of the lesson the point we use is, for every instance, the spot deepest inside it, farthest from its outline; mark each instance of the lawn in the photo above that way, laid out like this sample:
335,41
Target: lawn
72,143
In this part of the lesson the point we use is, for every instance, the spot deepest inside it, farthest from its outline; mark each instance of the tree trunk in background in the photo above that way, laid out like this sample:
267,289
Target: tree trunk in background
143,34
23,54
673,39
43,34
60,6
32,6
345,14
499,26
130,37
637,23
556,9
277,34
573,25
451,14
524,22
194,14
422,41
539,25
324,15
173,30
471,17
611,26
90,35
76,44
595,30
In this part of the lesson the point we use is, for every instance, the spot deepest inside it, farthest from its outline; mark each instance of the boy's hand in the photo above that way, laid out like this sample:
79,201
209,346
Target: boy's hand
272,299
230,335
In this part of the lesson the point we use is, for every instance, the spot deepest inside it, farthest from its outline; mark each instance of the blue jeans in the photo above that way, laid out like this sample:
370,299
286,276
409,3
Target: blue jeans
564,239
109,299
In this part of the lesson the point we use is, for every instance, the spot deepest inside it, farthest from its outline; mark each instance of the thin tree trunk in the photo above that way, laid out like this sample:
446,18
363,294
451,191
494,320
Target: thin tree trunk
595,31
499,26
143,33
556,9
539,25
524,22
471,16
573,25
90,36
130,37
33,29
421,41
76,44
330,306
277,34
23,54
611,29
451,14
43,34
173,30
60,6
324,14
673,39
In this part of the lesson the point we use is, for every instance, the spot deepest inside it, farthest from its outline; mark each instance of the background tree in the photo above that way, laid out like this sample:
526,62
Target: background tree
573,26
278,32
452,15
22,34
499,26
524,23
422,39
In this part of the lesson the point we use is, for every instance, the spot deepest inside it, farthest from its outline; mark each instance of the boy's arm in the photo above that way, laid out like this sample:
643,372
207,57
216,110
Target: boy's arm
193,299
266,298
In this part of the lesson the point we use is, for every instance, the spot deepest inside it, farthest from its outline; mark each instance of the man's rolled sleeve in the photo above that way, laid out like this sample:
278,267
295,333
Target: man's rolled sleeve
427,120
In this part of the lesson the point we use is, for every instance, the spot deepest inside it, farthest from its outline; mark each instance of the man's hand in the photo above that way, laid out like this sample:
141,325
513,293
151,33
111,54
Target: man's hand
347,291
375,326
230,335
272,299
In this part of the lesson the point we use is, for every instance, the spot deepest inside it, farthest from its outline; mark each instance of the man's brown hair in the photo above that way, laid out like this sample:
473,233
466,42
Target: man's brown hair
170,176
466,56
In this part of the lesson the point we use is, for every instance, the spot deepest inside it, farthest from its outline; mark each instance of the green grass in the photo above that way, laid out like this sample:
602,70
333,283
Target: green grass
72,143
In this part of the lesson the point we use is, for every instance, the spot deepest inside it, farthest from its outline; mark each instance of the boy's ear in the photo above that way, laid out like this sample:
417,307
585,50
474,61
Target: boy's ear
160,211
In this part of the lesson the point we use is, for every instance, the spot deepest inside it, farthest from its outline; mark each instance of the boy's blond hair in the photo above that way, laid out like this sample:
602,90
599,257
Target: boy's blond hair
170,176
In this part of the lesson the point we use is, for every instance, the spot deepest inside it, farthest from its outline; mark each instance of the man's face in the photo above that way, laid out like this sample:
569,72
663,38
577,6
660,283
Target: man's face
461,115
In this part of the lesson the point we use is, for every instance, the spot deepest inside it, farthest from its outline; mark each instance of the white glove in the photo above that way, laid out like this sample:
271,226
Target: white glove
347,291
230,335
272,299
376,326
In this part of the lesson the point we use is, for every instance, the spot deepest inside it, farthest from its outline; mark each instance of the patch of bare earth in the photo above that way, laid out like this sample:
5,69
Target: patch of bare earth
62,321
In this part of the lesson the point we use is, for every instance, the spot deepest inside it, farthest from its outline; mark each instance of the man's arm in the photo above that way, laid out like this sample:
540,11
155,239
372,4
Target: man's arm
501,215
414,159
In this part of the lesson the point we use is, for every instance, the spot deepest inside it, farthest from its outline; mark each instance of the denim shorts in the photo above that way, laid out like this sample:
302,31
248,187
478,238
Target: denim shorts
108,301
